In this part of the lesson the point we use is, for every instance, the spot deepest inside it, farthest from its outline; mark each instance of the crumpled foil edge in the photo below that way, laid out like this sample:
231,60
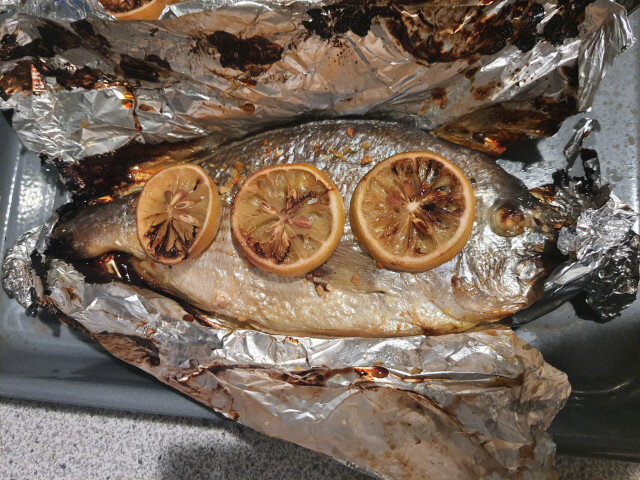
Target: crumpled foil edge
603,264
535,87
483,398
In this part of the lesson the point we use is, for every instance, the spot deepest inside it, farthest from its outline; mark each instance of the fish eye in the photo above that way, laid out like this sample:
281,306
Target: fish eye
506,219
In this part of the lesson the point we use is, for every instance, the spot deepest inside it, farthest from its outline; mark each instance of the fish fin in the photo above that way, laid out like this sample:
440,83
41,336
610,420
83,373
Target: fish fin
352,271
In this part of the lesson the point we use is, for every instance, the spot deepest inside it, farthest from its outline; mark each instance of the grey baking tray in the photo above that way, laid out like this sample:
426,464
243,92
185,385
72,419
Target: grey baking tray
44,360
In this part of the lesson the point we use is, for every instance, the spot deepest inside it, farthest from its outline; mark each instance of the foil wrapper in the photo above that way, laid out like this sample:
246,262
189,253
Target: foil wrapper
9,5
17,275
227,69
469,405
602,268
603,246
604,251
67,10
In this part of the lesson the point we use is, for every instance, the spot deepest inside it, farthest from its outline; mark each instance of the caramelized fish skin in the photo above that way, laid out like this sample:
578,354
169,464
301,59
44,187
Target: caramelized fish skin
497,272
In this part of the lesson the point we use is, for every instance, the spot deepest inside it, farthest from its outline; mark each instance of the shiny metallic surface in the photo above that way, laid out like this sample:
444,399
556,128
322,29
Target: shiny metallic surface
607,247
467,404
21,283
164,81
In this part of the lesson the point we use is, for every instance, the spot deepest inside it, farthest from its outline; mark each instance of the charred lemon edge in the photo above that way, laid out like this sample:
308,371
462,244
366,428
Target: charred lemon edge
212,221
407,264
322,254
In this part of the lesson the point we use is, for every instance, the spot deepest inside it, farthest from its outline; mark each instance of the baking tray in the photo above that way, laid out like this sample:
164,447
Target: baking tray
42,359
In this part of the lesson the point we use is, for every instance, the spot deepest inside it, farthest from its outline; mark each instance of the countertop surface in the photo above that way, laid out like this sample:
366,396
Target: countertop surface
48,441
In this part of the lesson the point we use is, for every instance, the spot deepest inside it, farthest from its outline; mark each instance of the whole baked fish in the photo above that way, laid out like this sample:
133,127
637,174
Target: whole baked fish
499,271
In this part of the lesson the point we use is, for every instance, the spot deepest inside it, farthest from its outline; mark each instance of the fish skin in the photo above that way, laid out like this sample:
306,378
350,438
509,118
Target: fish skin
492,277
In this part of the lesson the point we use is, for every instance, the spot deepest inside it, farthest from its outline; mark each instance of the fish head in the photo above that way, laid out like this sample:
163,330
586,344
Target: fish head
509,254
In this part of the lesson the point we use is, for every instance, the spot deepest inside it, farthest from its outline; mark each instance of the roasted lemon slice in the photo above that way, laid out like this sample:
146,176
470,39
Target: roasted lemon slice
288,219
413,211
178,214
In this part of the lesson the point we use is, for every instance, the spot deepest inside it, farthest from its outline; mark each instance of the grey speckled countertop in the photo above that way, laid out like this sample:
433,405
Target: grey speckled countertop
47,441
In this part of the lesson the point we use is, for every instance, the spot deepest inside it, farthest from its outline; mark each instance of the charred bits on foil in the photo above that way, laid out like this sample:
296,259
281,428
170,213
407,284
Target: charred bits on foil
469,405
88,88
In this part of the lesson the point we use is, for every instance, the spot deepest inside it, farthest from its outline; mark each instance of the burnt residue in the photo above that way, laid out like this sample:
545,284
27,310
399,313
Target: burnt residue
561,178
318,377
248,108
11,50
251,54
483,92
379,372
486,36
39,264
571,76
98,175
16,80
320,285
439,95
590,164
508,382
72,294
161,62
87,33
491,129
309,378
341,18
526,35
53,38
586,185
193,314
565,22
85,77
470,73
130,348
142,69
68,76
427,33
313,377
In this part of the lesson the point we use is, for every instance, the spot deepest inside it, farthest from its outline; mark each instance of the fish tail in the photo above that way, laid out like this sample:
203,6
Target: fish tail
88,231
